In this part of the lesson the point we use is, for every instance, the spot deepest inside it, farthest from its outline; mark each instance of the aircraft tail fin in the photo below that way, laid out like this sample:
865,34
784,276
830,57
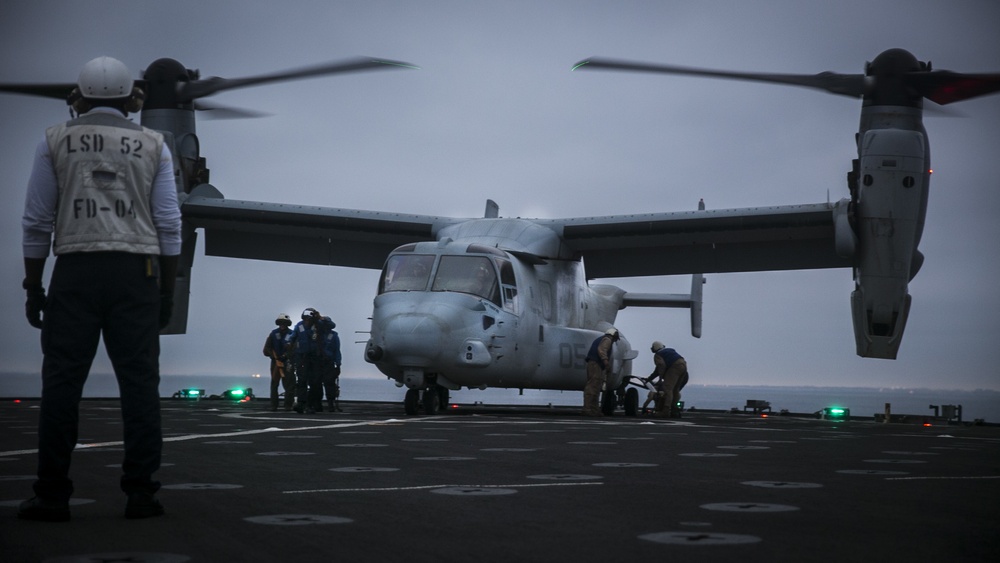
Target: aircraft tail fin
697,285
691,301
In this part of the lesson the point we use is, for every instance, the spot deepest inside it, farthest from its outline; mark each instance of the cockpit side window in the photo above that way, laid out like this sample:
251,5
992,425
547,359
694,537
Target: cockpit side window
406,272
508,286
468,274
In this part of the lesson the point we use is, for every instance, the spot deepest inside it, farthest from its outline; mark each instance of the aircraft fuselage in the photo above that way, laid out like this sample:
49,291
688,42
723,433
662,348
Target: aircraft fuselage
481,313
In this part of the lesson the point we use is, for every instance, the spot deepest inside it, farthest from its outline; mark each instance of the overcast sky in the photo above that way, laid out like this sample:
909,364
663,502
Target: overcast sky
495,112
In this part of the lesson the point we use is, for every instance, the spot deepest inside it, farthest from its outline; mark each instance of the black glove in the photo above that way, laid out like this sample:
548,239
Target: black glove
166,308
34,306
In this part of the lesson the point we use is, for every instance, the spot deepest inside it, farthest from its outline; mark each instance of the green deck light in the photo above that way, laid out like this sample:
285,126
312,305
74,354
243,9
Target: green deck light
836,413
238,394
190,393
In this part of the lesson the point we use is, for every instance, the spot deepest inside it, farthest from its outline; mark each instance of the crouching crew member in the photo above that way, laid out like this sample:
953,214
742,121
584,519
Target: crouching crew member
671,369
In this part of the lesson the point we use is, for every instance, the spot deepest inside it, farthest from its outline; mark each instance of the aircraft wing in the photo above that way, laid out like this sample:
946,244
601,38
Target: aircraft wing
302,234
706,241
791,237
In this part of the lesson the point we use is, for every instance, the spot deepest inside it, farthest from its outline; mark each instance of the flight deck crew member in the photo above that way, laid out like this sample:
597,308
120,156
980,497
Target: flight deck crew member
307,343
331,363
598,368
102,193
671,369
653,395
276,348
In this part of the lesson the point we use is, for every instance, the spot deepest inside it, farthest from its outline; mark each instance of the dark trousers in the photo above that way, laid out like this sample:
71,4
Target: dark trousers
331,383
309,381
113,294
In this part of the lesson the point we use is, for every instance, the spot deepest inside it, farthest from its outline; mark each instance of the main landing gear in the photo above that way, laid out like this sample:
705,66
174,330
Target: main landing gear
433,400
624,397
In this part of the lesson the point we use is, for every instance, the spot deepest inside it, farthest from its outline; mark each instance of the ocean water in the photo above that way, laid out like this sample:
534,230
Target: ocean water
862,401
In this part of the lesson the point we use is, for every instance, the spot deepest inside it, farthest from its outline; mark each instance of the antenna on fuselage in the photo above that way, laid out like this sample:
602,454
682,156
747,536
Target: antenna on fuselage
492,210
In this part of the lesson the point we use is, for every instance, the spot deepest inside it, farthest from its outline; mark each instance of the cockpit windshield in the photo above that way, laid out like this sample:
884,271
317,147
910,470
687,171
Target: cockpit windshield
475,275
468,274
407,272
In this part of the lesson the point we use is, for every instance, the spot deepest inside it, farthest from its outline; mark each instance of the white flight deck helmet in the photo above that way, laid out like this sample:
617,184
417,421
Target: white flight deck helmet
105,78
283,319
612,332
657,346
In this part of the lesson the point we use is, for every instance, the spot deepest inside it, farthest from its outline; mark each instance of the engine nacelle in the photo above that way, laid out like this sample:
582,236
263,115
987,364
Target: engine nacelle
892,190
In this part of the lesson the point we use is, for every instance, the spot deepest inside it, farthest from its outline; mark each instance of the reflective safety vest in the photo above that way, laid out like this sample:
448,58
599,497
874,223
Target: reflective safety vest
104,166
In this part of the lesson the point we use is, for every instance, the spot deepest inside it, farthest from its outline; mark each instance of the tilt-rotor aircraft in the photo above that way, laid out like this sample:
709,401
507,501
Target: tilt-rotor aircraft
504,302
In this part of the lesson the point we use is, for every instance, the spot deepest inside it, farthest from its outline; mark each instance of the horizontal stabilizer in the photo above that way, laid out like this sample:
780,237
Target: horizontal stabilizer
676,300
691,301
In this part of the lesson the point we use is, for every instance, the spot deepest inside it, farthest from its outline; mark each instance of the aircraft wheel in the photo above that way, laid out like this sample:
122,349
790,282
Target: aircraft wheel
443,398
410,401
608,403
631,402
432,401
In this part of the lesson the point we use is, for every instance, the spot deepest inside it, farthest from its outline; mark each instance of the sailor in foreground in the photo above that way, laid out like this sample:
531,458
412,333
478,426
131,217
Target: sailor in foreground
102,194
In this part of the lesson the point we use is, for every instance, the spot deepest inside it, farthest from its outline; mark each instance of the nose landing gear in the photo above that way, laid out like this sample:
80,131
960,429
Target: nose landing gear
433,400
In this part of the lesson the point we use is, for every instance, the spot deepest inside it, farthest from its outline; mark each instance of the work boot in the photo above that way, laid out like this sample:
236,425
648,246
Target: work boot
43,510
142,505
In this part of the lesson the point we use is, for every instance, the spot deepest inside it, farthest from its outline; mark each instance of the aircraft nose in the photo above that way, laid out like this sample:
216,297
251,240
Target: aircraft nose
412,340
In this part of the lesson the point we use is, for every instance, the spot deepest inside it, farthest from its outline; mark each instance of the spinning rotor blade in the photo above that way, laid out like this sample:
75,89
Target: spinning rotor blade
57,91
895,77
216,111
853,85
945,87
201,88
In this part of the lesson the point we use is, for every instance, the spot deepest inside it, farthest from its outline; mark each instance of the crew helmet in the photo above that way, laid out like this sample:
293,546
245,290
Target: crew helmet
105,78
657,346
612,332
310,313
283,319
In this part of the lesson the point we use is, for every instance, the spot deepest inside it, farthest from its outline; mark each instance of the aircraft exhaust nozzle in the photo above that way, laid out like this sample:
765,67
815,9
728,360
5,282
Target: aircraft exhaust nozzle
878,325
182,284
